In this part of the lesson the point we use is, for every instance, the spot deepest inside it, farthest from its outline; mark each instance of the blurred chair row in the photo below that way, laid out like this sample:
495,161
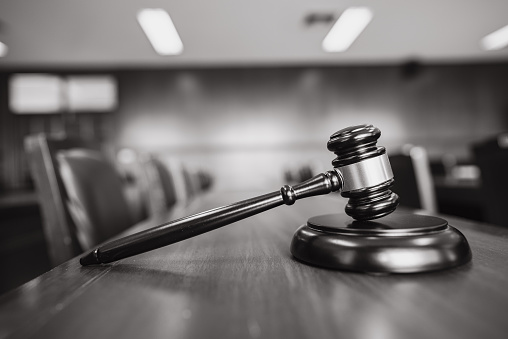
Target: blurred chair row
415,182
85,199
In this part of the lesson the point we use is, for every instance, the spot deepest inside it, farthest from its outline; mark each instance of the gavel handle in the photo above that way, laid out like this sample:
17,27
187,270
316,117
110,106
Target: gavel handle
191,226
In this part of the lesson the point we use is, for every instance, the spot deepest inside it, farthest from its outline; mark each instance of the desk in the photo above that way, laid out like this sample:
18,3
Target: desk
242,282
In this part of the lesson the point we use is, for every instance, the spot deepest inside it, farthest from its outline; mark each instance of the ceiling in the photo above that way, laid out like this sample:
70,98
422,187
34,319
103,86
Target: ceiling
105,33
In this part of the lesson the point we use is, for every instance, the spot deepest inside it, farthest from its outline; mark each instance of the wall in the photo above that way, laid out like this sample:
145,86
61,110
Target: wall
247,125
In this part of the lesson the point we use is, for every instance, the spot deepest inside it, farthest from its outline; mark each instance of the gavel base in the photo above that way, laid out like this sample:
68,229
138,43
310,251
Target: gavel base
397,243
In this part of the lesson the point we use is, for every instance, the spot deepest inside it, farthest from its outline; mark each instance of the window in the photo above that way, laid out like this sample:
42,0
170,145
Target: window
48,93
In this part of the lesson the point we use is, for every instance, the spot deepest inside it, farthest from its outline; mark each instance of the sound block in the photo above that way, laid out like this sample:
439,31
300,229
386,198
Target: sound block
396,243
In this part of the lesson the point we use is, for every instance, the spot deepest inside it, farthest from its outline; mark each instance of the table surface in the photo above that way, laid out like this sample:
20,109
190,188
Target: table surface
241,281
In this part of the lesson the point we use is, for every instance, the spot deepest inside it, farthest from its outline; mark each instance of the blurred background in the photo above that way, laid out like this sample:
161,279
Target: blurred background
243,96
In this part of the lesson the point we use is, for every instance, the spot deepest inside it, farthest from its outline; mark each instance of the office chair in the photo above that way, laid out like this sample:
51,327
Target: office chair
413,179
158,185
191,184
80,194
492,159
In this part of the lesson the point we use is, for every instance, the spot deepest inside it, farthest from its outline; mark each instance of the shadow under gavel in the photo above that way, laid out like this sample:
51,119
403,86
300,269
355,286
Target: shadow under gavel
361,173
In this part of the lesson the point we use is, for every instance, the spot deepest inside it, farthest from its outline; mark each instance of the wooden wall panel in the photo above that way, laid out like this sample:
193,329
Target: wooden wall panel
255,122
259,121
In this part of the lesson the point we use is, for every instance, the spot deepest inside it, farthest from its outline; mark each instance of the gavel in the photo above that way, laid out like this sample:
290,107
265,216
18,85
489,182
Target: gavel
362,173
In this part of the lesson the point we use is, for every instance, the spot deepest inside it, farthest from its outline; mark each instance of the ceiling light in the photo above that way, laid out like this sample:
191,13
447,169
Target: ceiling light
347,28
160,30
3,49
496,40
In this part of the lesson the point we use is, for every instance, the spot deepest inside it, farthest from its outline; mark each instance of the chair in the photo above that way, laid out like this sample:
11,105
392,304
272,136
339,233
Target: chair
413,179
191,184
158,185
80,194
185,182
167,183
492,159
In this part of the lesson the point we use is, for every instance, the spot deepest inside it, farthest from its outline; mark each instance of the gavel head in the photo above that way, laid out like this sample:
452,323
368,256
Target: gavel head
365,170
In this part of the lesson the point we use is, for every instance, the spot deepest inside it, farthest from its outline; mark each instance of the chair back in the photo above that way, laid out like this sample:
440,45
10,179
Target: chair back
413,179
492,158
79,192
190,183
167,183
158,185
95,198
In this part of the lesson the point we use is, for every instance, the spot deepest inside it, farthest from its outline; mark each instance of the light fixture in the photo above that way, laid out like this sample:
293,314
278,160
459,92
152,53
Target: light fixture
91,93
35,93
495,40
161,32
3,49
347,28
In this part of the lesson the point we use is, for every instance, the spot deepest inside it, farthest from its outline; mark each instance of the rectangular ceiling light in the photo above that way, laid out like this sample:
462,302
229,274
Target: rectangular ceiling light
91,93
496,40
347,28
160,30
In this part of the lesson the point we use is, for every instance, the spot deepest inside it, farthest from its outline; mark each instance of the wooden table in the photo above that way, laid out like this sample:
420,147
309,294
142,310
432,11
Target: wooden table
242,282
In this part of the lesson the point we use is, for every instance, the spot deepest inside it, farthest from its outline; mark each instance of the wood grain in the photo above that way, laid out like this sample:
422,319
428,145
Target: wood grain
242,282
